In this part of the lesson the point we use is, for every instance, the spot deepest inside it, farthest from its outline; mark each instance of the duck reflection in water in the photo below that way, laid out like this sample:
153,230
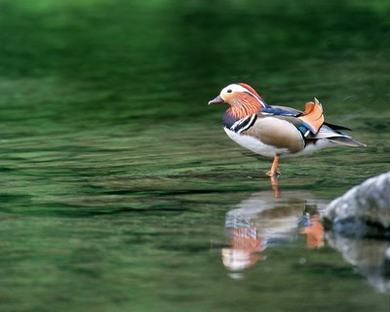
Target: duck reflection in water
266,219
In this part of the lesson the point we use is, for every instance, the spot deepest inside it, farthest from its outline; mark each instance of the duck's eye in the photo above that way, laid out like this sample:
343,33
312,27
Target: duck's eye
229,91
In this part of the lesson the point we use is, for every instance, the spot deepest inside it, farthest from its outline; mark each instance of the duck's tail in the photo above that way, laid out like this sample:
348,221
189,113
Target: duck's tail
333,134
346,141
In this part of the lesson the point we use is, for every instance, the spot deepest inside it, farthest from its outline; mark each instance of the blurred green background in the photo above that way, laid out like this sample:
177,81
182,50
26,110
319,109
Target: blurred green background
116,176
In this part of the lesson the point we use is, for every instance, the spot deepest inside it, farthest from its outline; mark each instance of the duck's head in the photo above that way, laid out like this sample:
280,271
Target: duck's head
239,94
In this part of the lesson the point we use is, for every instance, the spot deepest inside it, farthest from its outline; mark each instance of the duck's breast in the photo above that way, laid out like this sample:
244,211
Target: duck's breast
278,133
255,145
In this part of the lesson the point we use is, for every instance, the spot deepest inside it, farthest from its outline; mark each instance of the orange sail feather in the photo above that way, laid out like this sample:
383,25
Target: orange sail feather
313,115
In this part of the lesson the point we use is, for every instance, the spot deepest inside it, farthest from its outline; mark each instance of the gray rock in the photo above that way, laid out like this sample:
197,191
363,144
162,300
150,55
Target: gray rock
364,210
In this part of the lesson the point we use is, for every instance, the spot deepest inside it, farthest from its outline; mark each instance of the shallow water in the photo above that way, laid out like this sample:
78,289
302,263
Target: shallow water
118,184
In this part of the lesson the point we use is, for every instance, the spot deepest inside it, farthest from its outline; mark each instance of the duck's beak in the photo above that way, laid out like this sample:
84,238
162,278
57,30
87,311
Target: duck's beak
217,100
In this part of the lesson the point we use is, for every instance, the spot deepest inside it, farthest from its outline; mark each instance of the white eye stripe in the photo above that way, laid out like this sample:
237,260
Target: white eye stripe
254,95
238,88
234,88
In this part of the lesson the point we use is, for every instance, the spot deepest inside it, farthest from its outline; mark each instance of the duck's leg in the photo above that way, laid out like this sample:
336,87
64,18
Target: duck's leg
275,166
275,186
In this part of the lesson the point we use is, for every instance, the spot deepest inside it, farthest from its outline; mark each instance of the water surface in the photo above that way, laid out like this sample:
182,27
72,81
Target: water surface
118,183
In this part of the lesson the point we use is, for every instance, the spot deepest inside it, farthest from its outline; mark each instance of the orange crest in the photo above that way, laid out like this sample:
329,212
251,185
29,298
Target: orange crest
250,89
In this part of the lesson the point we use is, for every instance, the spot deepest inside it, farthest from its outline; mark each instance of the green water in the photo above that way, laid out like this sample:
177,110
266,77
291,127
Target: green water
117,181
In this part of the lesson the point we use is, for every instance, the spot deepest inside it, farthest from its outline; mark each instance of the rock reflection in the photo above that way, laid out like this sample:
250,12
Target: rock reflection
371,257
264,220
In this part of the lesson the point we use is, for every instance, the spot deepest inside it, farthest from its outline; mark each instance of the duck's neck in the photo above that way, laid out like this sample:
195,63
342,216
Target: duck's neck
238,112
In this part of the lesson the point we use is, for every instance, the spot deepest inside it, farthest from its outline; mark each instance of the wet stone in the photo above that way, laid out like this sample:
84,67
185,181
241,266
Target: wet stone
363,211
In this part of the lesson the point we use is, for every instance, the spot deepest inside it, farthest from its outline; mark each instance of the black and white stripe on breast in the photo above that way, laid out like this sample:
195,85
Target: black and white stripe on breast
243,124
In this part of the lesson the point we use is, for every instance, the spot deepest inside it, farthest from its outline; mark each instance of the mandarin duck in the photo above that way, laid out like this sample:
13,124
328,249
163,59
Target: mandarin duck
275,131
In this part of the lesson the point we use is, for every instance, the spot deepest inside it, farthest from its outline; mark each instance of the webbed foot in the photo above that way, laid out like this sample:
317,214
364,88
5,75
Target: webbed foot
273,173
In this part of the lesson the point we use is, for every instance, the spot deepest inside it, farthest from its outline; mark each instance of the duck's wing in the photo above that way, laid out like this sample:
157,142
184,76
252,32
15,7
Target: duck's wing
313,116
308,122
278,110
294,133
311,126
